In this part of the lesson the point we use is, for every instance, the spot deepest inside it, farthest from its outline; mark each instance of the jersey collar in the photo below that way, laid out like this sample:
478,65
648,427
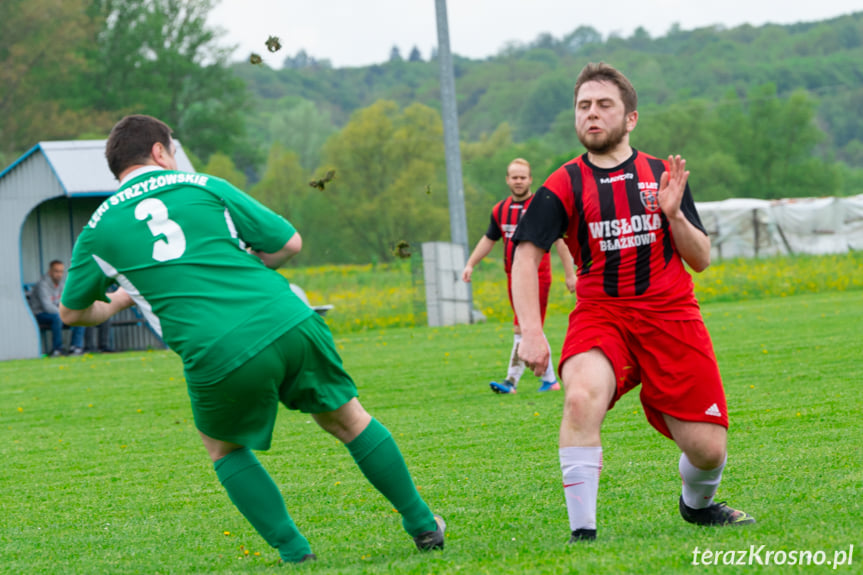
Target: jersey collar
615,168
140,172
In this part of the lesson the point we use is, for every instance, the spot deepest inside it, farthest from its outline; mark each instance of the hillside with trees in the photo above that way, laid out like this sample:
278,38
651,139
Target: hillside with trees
765,112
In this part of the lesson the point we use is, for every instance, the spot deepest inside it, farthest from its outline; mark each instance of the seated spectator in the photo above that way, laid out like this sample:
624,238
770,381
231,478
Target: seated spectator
45,302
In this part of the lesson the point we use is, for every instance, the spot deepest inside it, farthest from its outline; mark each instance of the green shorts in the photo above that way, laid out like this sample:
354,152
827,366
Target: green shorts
301,368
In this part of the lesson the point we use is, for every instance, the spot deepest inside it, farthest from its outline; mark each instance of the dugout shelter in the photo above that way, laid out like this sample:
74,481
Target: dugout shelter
46,198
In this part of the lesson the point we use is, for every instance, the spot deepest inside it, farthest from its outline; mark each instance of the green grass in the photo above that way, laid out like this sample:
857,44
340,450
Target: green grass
102,471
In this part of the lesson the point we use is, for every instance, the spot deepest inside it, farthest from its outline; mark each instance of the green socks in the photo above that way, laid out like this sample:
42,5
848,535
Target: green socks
254,493
380,460
258,498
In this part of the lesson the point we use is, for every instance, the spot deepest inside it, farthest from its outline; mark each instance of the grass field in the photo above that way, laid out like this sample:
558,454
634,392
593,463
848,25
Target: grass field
102,471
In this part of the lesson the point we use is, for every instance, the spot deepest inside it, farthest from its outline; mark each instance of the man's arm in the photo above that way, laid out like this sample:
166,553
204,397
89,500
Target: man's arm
568,264
692,244
277,259
99,311
482,249
533,348
43,292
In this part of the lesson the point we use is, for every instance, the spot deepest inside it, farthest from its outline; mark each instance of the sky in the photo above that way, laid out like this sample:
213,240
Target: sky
353,33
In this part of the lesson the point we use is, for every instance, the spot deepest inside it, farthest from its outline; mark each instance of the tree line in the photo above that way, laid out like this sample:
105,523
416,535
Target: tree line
766,112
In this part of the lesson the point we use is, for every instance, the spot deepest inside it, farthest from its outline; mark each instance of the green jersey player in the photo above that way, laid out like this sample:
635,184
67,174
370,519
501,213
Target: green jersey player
197,256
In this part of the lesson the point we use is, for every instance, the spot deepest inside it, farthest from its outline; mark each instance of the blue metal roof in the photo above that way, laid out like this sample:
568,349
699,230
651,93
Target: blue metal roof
81,168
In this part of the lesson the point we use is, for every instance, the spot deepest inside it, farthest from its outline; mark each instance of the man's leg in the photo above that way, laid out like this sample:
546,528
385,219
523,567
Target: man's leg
703,447
254,493
515,367
378,457
588,382
549,378
56,324
76,344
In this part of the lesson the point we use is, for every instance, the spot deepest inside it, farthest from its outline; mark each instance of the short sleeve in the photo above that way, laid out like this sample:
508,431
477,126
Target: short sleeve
493,232
257,225
86,282
544,222
687,206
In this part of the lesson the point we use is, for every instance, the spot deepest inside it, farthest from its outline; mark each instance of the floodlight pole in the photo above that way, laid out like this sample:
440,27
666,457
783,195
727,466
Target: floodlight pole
455,185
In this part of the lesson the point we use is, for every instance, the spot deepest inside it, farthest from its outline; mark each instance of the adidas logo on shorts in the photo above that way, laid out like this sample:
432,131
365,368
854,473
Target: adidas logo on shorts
713,410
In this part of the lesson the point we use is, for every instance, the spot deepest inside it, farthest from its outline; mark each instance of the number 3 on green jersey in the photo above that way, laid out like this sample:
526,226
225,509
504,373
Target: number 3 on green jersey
174,243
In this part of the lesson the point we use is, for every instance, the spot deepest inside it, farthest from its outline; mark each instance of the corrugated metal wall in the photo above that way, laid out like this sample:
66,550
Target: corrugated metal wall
49,233
129,333
31,194
133,336
29,184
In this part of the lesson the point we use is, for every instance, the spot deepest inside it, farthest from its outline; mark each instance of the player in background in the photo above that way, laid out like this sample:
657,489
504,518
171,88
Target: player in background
505,216
198,257
629,220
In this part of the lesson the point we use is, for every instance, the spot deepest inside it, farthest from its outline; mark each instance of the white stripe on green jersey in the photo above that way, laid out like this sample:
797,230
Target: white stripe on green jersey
178,240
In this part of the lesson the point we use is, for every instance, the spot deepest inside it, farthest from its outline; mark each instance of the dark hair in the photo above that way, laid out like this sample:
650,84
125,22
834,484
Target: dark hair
54,263
602,72
132,139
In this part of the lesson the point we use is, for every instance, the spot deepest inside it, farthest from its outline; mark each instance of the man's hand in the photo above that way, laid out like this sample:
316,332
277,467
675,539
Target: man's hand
671,186
467,273
120,299
568,265
533,350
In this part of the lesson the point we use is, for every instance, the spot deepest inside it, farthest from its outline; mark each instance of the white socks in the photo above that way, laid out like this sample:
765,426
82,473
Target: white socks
516,365
699,485
549,374
581,467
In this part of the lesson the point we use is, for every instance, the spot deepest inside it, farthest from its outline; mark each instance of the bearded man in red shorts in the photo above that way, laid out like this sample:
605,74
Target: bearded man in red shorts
630,223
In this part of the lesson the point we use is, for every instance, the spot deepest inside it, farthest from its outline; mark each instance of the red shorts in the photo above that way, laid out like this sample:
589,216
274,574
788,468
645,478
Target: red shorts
673,360
544,288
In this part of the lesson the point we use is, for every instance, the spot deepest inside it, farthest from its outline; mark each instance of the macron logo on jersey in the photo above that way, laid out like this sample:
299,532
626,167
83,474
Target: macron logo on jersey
714,411
621,177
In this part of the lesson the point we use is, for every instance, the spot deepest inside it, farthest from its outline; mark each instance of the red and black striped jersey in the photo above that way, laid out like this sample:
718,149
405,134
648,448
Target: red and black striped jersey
618,236
505,216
